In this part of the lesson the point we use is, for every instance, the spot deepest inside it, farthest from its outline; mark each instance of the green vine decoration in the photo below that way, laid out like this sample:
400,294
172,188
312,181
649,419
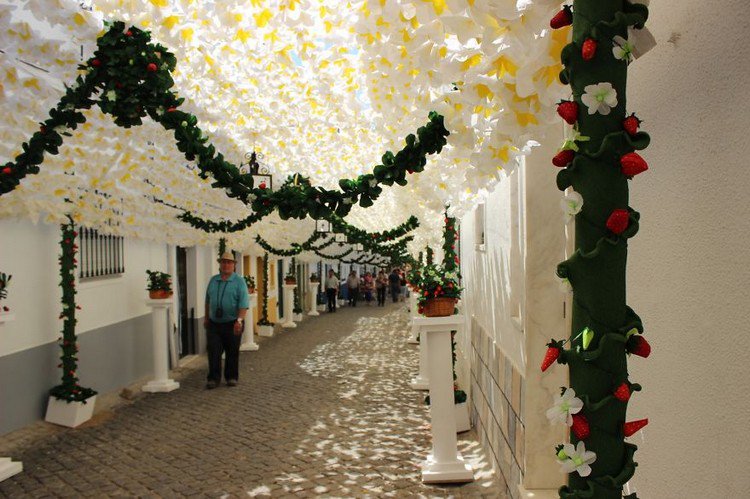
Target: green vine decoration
297,303
132,78
597,165
69,389
263,319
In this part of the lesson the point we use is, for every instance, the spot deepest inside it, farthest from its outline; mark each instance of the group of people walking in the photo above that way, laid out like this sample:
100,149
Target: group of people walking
368,287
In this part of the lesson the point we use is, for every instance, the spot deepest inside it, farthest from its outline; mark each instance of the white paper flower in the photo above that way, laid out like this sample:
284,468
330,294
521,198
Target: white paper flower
571,204
623,49
565,406
576,459
600,98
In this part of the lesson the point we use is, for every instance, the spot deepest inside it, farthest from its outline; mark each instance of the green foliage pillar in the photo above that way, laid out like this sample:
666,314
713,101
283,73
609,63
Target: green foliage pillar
598,164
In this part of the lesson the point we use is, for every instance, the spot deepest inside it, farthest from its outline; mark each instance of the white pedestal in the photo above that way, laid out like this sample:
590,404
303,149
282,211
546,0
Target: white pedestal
463,423
286,321
9,468
70,414
248,338
422,380
444,464
413,308
266,331
161,381
313,299
298,317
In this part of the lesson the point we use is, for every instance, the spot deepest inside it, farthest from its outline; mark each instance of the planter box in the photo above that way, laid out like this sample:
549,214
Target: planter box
461,412
70,414
265,331
159,294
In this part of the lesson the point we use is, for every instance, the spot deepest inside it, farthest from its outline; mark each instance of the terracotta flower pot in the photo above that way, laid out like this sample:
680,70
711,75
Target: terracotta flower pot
250,290
159,294
288,280
439,307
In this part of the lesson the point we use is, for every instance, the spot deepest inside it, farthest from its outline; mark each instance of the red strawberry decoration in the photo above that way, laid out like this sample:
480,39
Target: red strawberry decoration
580,427
568,110
632,164
588,49
637,345
632,427
618,221
631,124
96,63
128,33
562,18
622,393
563,158
262,185
553,353
151,68
7,170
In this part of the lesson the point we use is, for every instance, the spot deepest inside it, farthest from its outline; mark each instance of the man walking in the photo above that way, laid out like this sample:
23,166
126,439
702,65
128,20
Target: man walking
332,290
353,284
227,301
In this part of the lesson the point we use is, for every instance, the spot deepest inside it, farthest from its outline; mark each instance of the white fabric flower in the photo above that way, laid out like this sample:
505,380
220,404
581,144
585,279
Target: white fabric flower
565,406
576,459
600,98
623,49
571,204
565,286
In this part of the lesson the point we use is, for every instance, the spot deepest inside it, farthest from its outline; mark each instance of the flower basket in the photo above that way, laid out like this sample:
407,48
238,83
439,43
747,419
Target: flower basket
439,307
159,294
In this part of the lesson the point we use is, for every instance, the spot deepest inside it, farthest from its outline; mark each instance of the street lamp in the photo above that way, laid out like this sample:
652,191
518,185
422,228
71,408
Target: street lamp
262,177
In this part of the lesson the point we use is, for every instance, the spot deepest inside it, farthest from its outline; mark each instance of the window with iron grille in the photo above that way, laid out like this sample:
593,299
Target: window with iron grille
101,255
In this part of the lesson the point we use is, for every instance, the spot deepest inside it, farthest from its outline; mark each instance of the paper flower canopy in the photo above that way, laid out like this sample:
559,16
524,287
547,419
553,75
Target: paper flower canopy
320,87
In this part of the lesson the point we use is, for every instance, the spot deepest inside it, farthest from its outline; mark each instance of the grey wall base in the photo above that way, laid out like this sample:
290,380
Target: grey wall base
110,358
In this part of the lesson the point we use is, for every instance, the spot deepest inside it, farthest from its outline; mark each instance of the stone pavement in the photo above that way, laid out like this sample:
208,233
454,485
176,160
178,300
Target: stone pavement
323,410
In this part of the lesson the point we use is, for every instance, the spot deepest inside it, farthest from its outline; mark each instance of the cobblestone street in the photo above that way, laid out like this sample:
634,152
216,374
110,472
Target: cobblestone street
321,410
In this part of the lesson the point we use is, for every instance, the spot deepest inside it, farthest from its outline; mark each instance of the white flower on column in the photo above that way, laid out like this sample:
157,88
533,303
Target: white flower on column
576,459
623,49
571,204
600,98
565,406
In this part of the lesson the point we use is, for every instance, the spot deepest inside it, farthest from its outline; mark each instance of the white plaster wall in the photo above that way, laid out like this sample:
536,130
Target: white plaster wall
689,265
30,253
487,274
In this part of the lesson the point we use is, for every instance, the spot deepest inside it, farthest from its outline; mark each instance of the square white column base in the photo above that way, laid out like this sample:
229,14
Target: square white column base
162,385
412,341
313,313
452,472
289,325
70,414
249,347
266,331
9,468
419,383
297,317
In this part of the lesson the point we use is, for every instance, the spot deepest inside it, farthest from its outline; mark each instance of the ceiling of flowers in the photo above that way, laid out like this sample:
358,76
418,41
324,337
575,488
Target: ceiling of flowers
319,87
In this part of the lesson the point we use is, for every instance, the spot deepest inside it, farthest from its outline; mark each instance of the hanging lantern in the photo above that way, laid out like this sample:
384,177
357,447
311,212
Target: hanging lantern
322,226
262,176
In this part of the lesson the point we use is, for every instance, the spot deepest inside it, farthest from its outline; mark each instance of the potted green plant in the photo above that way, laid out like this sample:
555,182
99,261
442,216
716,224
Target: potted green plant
438,291
291,277
4,280
250,281
159,285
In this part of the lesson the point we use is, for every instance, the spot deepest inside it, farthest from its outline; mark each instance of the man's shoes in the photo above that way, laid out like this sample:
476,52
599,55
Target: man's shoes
211,384
231,382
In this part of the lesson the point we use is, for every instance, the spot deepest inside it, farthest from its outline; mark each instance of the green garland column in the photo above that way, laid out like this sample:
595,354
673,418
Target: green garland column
597,165
69,389
263,320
